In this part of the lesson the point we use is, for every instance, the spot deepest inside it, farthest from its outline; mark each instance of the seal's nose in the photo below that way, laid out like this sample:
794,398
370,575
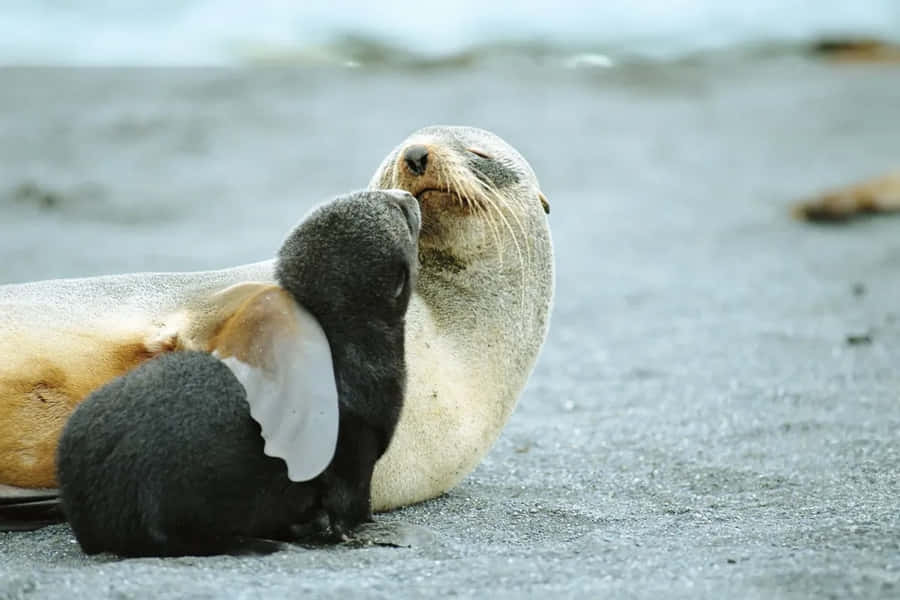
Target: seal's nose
416,158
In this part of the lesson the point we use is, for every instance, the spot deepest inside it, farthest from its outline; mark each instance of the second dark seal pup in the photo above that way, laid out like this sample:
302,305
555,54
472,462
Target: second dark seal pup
184,455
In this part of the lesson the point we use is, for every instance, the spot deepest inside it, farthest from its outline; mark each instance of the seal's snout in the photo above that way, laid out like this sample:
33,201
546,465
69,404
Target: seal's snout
416,159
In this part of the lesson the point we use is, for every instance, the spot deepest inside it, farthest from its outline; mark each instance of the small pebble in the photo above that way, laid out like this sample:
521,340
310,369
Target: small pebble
858,339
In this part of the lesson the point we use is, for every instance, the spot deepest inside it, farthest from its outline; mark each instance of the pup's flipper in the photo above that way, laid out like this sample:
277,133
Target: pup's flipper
279,352
23,509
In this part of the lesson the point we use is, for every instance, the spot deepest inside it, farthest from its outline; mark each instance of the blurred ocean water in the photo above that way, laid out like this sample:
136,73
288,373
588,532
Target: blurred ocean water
222,32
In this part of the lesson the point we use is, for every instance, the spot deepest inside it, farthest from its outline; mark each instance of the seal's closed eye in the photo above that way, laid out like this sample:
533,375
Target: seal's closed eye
480,153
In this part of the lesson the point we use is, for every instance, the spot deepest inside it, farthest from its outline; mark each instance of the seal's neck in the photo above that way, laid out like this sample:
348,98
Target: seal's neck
494,307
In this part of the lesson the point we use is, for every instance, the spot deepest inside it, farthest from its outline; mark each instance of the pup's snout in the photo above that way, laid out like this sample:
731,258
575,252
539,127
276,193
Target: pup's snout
408,204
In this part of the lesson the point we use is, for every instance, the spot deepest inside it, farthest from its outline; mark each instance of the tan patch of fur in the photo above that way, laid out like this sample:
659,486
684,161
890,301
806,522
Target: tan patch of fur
46,374
878,195
247,334
206,320
47,378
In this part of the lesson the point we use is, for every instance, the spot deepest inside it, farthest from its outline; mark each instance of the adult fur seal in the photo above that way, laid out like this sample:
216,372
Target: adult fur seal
476,321
171,458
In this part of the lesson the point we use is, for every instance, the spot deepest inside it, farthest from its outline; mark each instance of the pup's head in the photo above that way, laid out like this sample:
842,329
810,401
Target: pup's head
353,264
353,261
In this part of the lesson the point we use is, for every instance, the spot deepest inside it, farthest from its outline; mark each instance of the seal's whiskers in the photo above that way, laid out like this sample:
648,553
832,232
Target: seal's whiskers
462,183
491,199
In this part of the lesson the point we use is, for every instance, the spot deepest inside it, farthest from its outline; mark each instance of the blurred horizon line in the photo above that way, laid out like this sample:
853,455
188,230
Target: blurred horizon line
404,32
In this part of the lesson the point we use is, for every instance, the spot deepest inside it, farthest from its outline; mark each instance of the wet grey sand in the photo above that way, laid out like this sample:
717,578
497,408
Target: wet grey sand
715,413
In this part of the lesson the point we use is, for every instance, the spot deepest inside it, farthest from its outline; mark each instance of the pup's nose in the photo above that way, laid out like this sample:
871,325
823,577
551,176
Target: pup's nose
410,208
416,158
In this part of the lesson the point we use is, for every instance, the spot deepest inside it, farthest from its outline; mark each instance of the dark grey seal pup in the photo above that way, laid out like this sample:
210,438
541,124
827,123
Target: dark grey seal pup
278,426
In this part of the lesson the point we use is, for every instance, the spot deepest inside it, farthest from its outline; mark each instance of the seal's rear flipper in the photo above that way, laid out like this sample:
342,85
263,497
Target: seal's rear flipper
23,510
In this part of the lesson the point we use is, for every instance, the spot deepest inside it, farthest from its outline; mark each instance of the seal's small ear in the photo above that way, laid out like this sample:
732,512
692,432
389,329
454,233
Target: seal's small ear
280,354
544,202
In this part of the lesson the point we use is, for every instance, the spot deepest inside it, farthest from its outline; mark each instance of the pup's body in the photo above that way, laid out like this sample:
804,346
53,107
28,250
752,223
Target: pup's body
167,461
178,457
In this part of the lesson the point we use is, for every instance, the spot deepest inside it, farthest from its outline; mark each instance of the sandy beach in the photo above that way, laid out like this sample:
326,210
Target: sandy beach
715,413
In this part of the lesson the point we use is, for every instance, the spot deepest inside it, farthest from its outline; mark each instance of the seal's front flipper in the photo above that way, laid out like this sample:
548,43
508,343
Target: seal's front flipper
24,510
279,353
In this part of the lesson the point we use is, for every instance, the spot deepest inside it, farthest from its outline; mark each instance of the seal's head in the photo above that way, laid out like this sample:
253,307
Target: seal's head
463,171
483,214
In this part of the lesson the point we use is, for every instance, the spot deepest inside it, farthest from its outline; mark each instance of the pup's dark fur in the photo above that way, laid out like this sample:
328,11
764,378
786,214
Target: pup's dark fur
166,460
